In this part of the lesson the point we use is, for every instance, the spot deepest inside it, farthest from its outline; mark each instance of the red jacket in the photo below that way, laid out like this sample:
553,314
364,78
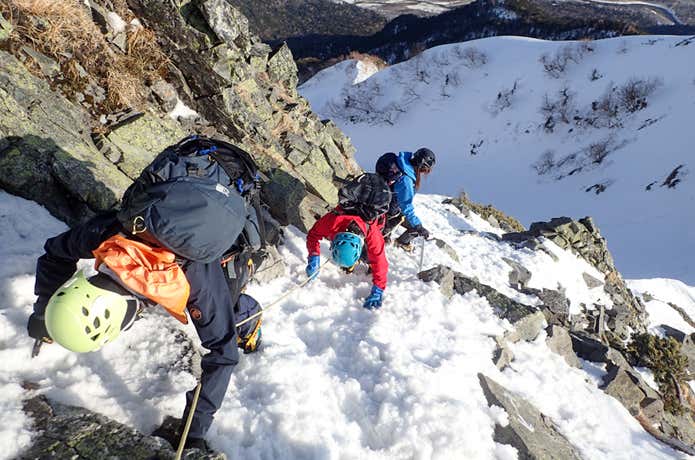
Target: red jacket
333,223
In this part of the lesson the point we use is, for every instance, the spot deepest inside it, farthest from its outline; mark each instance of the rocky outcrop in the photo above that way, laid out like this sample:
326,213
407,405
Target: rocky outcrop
530,432
77,433
46,153
583,238
494,216
233,86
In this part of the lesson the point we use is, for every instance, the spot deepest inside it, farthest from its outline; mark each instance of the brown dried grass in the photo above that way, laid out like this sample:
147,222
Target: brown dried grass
64,31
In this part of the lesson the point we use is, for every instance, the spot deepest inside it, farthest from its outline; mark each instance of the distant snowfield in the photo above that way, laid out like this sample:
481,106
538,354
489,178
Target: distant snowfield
332,381
487,138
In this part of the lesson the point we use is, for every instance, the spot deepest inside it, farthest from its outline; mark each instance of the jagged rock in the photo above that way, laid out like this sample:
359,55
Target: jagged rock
442,275
590,281
272,267
494,216
519,276
165,93
5,29
46,154
503,355
526,328
287,196
141,139
583,238
447,248
559,341
504,306
77,433
225,20
281,67
49,67
588,348
530,432
621,385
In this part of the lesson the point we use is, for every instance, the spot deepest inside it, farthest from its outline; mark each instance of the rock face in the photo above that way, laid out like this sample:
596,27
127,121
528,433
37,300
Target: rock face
529,431
46,153
235,87
583,238
76,433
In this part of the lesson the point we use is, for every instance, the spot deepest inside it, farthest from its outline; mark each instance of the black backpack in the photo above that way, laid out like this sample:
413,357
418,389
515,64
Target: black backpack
192,198
387,167
367,196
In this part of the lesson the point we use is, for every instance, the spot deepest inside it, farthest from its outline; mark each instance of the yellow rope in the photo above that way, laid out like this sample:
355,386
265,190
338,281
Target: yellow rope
184,435
280,299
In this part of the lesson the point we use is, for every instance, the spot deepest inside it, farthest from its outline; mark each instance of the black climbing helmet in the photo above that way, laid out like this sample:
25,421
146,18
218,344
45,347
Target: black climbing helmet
423,160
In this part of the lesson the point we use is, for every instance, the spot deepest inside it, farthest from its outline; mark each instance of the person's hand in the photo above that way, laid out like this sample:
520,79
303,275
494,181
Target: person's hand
422,231
373,300
312,266
36,327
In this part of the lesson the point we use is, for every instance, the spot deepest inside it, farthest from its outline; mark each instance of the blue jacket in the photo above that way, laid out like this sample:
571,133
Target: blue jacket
404,188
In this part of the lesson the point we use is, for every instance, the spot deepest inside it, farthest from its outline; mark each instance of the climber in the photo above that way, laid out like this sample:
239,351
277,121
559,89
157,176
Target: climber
138,266
403,173
354,228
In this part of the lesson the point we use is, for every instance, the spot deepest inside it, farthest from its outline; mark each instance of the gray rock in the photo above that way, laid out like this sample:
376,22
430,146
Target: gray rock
442,275
47,154
49,67
504,306
503,355
447,248
141,139
5,29
281,67
526,328
225,20
590,281
73,432
165,93
559,341
530,432
273,267
519,276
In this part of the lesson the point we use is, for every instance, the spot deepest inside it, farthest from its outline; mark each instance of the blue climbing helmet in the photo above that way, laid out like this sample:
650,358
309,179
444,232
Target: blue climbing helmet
346,249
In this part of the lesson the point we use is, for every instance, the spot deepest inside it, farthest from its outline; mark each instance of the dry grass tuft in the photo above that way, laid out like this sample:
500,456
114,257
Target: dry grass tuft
64,31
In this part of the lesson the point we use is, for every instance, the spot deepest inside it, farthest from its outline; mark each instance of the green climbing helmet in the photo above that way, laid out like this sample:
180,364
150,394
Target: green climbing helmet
83,317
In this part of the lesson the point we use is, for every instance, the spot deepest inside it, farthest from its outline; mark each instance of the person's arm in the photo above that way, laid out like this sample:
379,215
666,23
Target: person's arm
405,191
323,228
59,263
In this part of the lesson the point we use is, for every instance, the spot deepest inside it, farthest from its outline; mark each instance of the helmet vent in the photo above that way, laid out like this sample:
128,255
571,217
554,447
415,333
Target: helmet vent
88,296
107,313
61,293
87,330
85,312
95,337
96,323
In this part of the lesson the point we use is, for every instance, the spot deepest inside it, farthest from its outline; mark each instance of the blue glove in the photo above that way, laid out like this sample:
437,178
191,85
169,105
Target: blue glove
373,300
312,266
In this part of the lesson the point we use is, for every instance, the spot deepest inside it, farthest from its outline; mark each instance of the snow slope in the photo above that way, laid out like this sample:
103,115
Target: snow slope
332,381
478,106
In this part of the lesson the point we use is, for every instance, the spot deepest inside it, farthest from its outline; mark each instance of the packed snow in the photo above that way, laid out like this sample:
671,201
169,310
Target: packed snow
478,105
332,379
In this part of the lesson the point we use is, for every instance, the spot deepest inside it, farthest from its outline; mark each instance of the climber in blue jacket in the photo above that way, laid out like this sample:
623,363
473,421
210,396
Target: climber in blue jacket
403,173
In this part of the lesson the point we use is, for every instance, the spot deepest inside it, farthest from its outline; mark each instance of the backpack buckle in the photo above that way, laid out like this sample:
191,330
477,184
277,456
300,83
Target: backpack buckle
138,225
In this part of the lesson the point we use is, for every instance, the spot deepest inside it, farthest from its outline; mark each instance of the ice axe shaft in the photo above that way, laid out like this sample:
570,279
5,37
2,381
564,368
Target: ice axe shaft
422,255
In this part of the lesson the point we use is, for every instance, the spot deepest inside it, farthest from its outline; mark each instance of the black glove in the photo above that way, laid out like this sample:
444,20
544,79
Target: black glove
36,327
422,231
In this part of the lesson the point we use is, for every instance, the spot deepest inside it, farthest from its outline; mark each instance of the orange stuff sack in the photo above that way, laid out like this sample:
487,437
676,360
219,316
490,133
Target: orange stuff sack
150,272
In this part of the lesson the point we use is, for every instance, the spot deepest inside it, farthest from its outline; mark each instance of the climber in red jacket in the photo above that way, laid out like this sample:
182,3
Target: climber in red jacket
354,228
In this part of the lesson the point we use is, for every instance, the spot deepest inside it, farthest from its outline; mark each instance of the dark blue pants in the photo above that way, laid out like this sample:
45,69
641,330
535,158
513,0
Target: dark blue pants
210,306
